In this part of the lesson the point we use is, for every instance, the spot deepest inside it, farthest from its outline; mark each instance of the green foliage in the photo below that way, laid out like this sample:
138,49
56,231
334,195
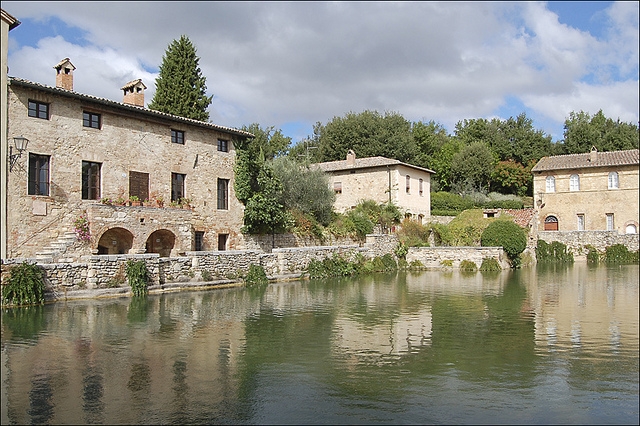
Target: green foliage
471,168
305,189
467,265
489,264
389,262
263,213
25,286
592,254
429,138
138,277
512,178
441,234
256,276
450,202
180,86
413,234
582,131
441,163
416,264
368,133
335,266
619,254
556,252
505,234
401,250
467,228
456,203
206,275
359,223
447,262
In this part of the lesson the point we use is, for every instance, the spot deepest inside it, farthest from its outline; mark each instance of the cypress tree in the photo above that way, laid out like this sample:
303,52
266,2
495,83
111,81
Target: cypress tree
180,86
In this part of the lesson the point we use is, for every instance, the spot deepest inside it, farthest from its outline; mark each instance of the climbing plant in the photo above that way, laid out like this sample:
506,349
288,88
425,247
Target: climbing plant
138,277
25,286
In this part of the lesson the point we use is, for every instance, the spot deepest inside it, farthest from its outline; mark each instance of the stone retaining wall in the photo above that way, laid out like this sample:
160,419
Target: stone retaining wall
437,257
577,240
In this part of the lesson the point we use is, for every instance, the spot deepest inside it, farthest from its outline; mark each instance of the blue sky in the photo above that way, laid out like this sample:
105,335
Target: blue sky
292,64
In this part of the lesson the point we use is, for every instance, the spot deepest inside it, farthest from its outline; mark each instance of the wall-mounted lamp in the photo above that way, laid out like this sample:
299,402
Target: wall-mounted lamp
21,145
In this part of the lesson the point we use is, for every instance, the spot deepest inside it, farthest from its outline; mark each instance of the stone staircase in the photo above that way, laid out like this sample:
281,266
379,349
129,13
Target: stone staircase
56,250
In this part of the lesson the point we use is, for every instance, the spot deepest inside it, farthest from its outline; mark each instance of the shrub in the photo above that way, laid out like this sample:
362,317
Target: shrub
505,234
256,276
489,264
359,223
554,252
619,253
206,275
413,234
467,265
401,250
25,286
416,264
138,276
389,262
448,201
592,254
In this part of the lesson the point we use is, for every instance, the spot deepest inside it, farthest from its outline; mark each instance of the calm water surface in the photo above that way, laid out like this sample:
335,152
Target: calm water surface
554,345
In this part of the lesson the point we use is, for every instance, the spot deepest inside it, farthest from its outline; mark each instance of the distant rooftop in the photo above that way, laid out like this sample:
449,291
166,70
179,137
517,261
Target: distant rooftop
364,163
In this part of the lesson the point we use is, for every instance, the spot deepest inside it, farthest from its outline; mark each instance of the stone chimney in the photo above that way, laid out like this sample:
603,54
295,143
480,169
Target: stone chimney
134,93
64,74
593,155
351,158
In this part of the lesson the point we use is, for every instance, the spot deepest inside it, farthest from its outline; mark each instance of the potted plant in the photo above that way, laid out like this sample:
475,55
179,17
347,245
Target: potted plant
134,200
185,203
159,201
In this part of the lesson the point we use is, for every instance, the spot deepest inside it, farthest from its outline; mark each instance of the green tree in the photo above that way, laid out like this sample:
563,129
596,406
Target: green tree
368,133
263,213
582,131
510,177
429,138
305,189
505,234
471,168
180,87
441,164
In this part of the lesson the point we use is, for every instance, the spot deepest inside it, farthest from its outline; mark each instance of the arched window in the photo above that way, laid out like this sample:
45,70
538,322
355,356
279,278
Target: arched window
551,184
613,180
631,229
551,223
574,183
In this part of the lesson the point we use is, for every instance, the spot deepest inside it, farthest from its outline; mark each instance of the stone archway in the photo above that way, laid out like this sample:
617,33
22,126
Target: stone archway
162,242
115,241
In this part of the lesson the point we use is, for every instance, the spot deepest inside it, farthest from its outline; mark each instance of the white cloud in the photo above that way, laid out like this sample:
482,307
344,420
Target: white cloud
282,62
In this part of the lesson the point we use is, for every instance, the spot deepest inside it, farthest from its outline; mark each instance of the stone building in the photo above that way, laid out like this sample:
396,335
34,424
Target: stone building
595,191
382,180
89,160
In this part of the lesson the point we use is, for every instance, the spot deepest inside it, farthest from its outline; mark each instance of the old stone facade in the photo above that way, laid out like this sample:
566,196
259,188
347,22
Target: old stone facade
596,191
88,155
382,180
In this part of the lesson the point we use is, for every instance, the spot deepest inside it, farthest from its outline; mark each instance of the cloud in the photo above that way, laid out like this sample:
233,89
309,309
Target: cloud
284,62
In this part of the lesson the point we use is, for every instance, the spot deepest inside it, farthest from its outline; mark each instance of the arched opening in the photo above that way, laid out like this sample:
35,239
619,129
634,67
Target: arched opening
161,242
115,241
551,223
631,229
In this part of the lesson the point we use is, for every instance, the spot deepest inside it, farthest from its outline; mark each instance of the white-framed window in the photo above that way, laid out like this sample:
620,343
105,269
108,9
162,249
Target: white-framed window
408,184
551,184
610,223
581,222
574,183
613,180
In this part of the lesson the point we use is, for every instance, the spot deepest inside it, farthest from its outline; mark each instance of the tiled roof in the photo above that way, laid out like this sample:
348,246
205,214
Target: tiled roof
364,163
522,217
578,161
127,107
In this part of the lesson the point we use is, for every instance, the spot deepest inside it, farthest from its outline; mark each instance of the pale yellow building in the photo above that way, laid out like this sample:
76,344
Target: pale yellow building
595,191
382,180
85,155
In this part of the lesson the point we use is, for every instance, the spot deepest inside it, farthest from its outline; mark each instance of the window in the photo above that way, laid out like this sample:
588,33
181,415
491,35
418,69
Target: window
551,223
90,180
613,180
581,222
222,241
223,194
139,185
38,110
199,240
631,229
610,224
89,119
408,185
551,184
574,183
177,186
38,174
177,136
337,187
223,145
420,187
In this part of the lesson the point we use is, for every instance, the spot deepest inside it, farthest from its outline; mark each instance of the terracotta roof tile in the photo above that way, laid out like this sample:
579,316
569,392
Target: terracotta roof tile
579,161
522,217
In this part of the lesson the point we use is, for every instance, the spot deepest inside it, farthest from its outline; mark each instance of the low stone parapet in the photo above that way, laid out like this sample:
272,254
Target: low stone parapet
576,241
439,257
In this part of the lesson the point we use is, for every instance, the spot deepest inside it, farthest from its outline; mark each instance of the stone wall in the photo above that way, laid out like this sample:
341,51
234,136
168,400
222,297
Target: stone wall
577,240
437,257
